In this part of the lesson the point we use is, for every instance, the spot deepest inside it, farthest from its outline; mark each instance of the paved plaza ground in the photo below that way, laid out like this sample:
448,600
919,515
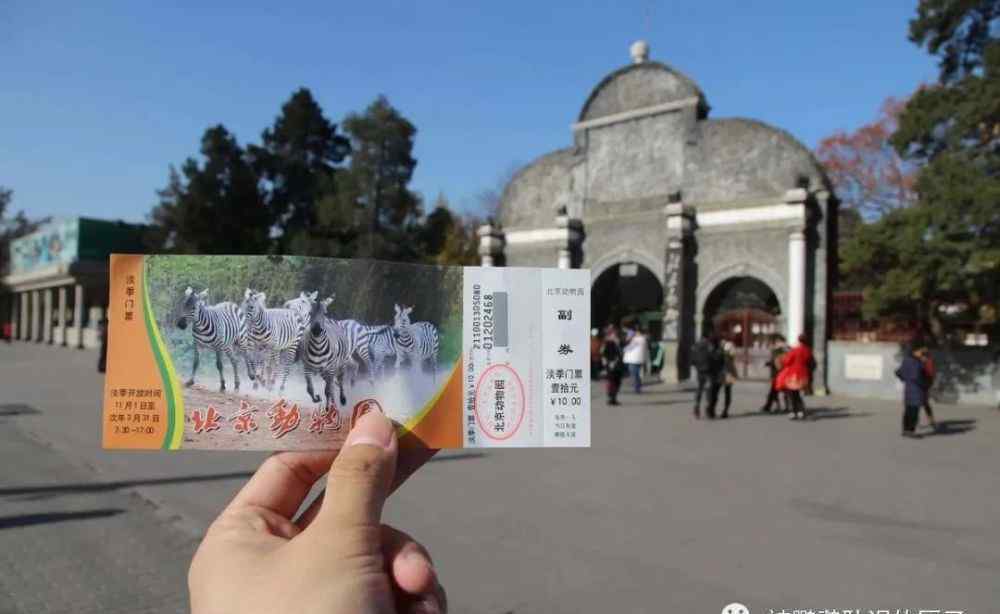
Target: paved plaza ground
662,514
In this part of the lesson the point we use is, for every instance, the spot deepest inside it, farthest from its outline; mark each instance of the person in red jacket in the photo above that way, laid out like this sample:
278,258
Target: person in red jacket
796,371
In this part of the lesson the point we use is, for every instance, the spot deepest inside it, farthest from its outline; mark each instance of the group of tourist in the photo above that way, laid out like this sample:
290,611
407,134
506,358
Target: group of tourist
628,351
621,352
714,362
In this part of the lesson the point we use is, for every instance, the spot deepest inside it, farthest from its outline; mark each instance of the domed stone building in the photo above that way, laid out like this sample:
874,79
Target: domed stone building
688,223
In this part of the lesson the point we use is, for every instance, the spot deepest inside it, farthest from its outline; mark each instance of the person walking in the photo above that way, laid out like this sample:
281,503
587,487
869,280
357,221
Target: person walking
627,331
595,353
700,359
611,359
716,374
778,351
796,371
728,376
911,373
102,359
656,357
930,373
636,356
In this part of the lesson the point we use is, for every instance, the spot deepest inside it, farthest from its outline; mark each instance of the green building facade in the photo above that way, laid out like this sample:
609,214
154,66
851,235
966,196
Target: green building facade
56,290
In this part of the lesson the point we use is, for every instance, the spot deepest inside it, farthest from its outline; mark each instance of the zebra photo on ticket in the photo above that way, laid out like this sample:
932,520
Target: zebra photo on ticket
287,352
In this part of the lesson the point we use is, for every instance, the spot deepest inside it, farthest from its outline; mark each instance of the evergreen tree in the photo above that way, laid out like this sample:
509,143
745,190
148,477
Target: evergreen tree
12,227
298,160
433,232
944,250
375,184
461,243
215,207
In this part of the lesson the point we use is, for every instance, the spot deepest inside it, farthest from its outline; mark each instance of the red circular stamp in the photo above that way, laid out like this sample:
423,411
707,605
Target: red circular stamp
499,404
363,407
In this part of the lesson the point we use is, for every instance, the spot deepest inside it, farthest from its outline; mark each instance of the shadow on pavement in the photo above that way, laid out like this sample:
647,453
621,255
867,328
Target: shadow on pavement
456,456
43,492
746,414
828,413
27,520
63,489
645,398
17,409
814,413
953,427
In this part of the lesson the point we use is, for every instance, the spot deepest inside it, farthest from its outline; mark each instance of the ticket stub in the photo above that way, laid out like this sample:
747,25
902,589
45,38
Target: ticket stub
286,353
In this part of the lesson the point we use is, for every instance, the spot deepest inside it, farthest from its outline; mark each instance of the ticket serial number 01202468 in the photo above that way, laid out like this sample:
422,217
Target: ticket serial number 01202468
485,317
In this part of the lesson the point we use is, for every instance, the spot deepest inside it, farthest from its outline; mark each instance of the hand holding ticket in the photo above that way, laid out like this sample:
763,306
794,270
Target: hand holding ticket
286,353
337,556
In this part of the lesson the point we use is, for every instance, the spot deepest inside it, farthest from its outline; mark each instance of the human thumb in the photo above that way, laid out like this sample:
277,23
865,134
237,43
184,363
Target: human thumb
360,477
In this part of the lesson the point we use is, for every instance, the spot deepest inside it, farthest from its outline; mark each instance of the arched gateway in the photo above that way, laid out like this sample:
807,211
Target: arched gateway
696,222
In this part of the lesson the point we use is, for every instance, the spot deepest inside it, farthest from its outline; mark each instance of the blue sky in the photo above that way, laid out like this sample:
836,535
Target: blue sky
97,99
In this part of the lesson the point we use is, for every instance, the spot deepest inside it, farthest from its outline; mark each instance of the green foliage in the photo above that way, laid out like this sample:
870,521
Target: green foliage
375,183
461,246
290,194
449,239
957,31
364,290
12,227
225,277
945,249
433,235
215,207
298,159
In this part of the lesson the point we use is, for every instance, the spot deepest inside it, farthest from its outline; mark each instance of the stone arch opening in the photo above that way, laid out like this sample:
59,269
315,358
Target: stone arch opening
745,311
627,290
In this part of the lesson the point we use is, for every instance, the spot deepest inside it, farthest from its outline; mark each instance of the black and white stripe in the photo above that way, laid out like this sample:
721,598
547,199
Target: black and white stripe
417,341
302,304
275,333
377,346
220,327
327,351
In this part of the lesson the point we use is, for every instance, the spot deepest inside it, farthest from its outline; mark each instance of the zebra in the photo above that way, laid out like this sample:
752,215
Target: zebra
370,345
220,327
378,343
326,351
418,341
276,333
302,305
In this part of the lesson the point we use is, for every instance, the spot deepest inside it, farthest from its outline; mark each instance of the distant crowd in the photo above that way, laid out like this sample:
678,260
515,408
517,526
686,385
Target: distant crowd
629,352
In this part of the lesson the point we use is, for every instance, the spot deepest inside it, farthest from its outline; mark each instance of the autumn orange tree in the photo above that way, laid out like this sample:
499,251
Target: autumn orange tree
871,181
869,176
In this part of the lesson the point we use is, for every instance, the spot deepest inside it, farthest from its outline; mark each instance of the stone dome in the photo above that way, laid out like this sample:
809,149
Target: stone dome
640,85
537,190
746,158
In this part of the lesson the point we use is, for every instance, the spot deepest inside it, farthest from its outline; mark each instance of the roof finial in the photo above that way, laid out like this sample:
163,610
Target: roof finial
639,51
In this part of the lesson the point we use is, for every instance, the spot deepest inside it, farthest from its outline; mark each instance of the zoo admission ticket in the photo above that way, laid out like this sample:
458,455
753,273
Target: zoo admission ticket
285,353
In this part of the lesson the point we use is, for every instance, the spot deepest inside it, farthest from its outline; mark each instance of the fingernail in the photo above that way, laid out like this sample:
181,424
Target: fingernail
372,429
415,557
